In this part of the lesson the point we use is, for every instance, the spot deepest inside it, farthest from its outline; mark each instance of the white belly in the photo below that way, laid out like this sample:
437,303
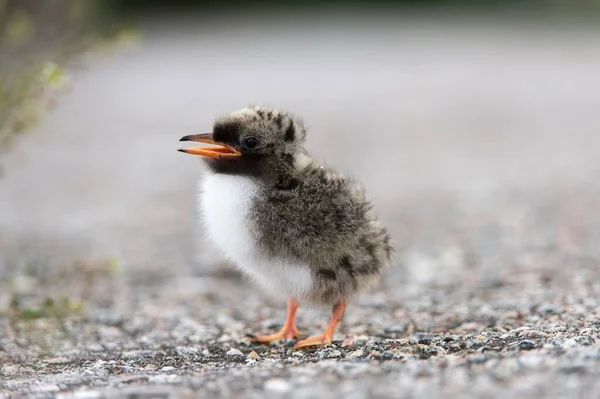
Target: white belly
225,201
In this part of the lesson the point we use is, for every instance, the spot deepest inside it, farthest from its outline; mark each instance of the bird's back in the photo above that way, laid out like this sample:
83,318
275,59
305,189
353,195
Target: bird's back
323,220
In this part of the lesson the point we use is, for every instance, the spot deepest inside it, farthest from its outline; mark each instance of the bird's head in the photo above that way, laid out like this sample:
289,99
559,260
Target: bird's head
250,140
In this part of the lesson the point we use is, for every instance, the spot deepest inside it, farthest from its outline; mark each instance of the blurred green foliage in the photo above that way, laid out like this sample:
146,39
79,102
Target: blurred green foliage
37,40
50,308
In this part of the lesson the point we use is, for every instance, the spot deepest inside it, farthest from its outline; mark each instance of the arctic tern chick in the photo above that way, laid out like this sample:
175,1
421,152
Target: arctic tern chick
300,229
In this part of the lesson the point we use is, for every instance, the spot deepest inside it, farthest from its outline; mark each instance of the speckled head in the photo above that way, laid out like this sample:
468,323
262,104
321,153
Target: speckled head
251,135
260,130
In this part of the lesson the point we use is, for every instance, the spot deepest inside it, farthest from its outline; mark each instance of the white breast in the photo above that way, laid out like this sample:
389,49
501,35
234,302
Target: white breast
225,201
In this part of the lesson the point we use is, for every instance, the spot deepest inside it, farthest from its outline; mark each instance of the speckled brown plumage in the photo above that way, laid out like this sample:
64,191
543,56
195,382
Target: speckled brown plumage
324,220
305,226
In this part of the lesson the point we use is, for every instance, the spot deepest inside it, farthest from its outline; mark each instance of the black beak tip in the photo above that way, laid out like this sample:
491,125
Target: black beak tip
180,150
185,138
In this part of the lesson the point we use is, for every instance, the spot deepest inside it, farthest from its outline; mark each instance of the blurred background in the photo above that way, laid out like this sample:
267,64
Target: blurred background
474,126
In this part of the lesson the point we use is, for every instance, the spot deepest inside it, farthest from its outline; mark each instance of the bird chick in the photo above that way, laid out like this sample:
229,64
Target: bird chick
300,229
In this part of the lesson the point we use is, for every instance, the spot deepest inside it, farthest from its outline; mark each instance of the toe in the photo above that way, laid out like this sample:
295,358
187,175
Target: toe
310,342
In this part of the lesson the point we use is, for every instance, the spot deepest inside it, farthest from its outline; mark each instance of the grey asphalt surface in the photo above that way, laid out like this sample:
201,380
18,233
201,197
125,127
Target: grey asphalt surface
478,144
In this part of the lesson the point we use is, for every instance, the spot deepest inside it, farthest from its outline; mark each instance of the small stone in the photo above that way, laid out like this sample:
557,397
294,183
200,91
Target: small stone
9,369
357,353
334,353
253,355
186,351
527,345
347,342
98,364
277,385
531,334
167,368
234,352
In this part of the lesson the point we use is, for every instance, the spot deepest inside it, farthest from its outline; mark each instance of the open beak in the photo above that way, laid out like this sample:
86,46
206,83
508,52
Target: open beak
222,151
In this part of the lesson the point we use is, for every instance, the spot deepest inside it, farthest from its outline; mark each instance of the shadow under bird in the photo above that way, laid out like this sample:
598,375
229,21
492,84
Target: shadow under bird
300,229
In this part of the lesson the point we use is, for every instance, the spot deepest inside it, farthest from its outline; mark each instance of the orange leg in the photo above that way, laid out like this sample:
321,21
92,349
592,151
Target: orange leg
288,331
327,336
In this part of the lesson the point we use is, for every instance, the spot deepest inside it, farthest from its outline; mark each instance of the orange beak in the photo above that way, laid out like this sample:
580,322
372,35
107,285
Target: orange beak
222,151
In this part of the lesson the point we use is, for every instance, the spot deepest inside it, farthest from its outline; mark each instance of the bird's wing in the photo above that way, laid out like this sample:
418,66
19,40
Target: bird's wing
314,222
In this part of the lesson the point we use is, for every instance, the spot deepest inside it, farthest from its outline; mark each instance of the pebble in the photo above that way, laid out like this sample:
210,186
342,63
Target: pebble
9,369
234,352
253,355
186,351
167,368
99,364
481,339
527,345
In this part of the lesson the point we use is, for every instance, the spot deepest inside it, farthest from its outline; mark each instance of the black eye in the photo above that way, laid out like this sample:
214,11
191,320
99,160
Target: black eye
250,143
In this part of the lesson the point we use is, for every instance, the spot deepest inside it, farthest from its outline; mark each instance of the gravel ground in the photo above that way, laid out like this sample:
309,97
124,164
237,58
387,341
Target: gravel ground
481,156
